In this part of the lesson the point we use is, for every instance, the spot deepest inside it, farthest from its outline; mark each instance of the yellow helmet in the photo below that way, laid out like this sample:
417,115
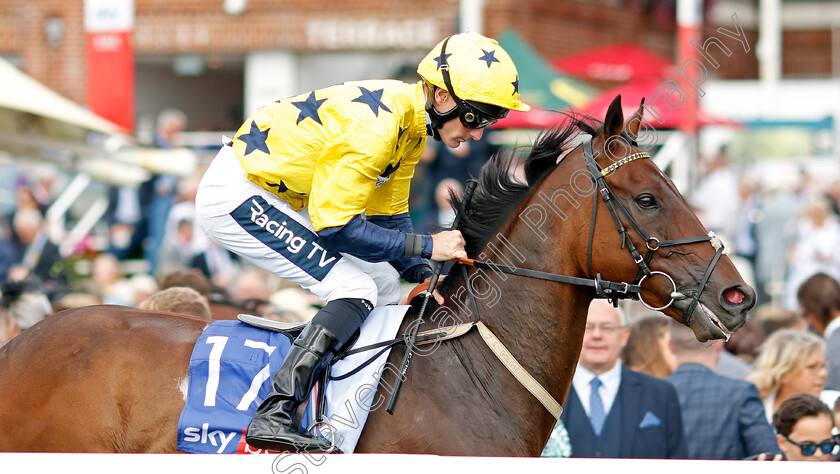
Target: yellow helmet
477,70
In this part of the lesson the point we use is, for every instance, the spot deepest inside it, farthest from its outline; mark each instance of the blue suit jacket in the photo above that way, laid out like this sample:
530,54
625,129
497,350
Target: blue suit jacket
651,425
723,417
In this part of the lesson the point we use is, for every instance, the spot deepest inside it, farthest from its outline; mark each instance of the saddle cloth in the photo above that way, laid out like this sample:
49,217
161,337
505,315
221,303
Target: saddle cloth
230,373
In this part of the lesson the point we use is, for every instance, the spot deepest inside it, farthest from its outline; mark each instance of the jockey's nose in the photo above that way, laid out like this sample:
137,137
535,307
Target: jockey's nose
476,133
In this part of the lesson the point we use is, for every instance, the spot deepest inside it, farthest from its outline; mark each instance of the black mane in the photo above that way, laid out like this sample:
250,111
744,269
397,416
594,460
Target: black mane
499,193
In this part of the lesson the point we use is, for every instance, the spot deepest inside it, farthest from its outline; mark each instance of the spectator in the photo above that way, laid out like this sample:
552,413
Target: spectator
170,122
739,351
648,348
819,298
441,163
723,417
21,307
443,192
38,254
178,299
804,429
814,249
252,285
190,278
717,197
8,252
612,411
177,251
774,317
144,286
292,305
113,287
558,445
779,206
790,362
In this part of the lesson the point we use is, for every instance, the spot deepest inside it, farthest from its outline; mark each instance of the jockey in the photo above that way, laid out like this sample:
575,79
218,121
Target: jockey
314,189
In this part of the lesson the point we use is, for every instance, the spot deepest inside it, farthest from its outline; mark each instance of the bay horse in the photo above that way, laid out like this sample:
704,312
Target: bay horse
112,379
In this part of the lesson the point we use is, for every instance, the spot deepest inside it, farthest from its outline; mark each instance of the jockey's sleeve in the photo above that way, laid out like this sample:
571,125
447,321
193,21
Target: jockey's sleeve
381,239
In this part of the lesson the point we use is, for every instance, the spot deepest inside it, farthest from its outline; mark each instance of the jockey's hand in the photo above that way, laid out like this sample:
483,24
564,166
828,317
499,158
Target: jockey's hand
448,245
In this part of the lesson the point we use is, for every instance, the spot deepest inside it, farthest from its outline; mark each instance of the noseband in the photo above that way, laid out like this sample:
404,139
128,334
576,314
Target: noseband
652,243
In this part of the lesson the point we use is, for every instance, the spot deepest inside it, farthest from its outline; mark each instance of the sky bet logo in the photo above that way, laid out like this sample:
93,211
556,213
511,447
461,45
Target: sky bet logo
285,236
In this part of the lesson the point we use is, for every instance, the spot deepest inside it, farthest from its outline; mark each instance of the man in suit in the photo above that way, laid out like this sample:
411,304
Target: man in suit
724,417
615,412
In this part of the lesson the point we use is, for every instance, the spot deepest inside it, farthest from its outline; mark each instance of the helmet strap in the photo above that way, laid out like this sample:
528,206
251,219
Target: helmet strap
437,119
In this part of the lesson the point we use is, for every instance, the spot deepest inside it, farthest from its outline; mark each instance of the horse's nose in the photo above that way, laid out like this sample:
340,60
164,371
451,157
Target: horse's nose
737,298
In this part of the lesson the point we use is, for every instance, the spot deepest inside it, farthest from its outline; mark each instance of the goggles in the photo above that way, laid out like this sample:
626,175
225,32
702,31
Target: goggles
809,449
471,113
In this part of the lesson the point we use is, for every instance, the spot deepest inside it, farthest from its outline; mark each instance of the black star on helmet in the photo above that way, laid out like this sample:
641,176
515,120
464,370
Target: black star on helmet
489,57
516,85
440,60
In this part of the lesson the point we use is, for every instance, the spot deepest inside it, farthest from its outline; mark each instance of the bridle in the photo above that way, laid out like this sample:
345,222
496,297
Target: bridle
652,243
614,291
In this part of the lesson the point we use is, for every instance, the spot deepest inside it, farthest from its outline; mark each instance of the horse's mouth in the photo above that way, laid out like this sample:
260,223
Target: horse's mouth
716,323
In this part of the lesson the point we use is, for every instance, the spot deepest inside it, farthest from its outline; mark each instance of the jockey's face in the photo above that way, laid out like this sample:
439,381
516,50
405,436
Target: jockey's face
453,132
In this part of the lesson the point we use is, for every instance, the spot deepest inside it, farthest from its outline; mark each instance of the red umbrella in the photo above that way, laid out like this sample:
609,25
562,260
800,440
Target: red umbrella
619,62
631,96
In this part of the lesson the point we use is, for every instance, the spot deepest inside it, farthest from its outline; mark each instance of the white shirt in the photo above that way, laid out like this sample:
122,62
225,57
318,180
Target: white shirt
832,326
610,381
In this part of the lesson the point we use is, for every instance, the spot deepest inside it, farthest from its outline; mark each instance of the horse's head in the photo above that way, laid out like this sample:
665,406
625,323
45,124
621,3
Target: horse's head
664,247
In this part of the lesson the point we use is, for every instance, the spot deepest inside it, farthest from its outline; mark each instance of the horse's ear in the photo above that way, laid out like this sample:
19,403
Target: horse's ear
634,123
614,122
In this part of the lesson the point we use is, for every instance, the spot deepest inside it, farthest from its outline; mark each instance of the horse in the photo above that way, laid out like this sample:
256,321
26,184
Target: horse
591,219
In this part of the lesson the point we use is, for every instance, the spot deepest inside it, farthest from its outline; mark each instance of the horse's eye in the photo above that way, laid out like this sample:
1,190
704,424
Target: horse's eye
646,201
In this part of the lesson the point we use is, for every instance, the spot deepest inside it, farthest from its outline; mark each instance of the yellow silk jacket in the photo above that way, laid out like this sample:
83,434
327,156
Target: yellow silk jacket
343,150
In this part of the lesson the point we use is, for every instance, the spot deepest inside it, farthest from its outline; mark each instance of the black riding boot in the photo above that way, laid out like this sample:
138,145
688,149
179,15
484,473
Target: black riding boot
273,424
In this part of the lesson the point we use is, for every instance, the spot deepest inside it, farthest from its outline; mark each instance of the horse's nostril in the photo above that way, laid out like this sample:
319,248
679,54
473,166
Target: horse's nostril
733,296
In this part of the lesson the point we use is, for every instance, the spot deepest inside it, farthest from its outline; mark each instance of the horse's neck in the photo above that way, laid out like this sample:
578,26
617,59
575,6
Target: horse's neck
541,323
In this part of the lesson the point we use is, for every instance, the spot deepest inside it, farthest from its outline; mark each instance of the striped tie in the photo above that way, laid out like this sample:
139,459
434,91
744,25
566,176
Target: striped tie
596,407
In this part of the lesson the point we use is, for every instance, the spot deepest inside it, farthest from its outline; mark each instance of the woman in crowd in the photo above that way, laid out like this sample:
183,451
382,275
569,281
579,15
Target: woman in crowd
790,362
648,348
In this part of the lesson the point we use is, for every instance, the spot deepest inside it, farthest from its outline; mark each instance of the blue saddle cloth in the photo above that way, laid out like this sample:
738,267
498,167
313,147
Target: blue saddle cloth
230,373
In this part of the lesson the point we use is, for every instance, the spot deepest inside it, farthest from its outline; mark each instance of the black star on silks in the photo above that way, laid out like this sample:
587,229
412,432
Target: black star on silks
281,188
373,99
309,108
516,85
440,60
255,139
489,58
